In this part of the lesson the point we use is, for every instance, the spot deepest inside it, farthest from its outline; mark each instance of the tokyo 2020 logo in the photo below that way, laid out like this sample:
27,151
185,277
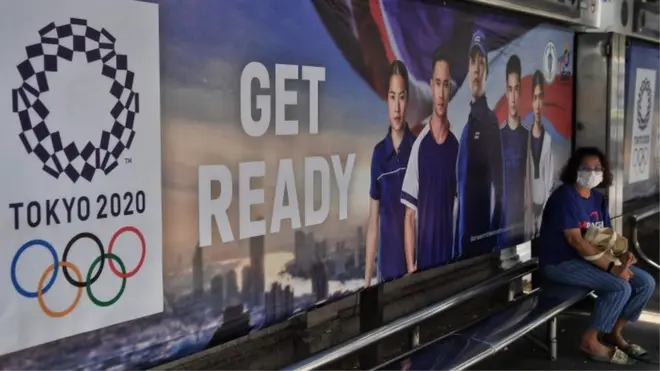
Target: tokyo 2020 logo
83,191
57,156
67,267
641,155
644,103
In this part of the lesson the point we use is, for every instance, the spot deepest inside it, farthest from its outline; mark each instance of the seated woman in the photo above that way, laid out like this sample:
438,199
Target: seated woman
623,290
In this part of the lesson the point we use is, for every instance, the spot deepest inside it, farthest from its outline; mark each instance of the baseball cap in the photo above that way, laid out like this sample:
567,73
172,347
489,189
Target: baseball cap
477,44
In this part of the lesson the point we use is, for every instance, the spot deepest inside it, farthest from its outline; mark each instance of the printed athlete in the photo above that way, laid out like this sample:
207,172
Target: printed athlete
429,187
622,290
388,166
479,168
541,167
514,146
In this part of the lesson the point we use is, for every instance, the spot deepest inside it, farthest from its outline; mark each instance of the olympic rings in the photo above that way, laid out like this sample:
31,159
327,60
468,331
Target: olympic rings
123,280
114,270
14,263
43,287
40,291
640,157
68,247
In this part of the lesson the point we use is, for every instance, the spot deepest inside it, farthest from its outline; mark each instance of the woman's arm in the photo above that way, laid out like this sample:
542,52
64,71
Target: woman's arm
372,240
409,194
374,219
584,248
409,239
569,218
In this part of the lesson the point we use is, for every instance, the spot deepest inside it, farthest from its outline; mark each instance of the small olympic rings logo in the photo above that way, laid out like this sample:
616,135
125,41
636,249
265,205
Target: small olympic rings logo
68,267
640,156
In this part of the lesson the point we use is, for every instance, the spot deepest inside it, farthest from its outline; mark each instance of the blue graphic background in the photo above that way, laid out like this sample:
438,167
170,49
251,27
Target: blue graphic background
204,46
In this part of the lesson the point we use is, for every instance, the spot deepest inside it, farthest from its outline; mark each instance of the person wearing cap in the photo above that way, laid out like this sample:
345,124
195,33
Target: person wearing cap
388,165
479,169
515,138
429,186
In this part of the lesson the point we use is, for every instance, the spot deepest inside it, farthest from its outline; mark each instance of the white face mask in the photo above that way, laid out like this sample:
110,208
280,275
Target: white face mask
589,179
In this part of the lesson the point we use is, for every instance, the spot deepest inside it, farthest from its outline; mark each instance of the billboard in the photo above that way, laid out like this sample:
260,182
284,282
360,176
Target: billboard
308,149
641,154
81,154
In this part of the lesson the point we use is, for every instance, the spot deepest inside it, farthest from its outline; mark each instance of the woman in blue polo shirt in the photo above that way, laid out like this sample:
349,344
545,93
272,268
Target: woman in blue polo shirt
388,166
623,290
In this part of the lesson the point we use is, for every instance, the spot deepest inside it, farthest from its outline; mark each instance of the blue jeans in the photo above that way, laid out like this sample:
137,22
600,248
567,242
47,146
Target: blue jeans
617,298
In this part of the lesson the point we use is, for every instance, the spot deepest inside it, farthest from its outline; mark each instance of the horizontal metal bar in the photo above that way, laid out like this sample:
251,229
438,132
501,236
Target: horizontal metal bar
457,332
640,36
517,335
528,335
646,213
576,313
639,251
539,9
323,358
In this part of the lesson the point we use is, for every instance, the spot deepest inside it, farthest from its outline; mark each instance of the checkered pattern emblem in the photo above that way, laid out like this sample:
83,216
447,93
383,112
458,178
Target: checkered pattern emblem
74,160
644,111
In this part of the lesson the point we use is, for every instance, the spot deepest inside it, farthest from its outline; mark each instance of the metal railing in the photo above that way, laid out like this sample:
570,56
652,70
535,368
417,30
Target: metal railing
333,354
644,213
549,318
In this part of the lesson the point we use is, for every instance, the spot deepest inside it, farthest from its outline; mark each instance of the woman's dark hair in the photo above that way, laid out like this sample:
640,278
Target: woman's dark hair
569,173
397,68
538,80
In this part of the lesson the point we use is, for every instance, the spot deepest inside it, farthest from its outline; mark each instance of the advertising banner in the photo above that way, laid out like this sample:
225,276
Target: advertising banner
641,122
81,155
307,149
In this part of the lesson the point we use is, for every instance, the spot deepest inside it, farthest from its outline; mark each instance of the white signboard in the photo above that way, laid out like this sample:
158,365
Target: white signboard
640,152
80,158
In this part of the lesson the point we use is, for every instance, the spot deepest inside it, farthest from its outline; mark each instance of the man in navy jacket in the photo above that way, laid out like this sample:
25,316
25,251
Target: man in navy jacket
479,167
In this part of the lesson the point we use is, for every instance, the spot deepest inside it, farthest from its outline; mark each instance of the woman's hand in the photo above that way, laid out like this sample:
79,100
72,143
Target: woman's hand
623,270
628,257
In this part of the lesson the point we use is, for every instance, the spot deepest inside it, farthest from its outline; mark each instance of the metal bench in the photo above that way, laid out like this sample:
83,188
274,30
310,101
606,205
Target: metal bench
410,321
466,347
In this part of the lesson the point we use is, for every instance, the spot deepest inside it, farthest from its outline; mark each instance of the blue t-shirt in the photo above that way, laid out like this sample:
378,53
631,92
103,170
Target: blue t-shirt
429,187
514,151
567,209
387,170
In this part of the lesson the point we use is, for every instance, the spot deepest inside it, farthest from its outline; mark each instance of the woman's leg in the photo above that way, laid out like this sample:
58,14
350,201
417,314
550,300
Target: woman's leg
642,285
613,294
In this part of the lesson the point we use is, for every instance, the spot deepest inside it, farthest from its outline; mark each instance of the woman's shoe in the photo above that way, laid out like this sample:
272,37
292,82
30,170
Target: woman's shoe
619,357
633,350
